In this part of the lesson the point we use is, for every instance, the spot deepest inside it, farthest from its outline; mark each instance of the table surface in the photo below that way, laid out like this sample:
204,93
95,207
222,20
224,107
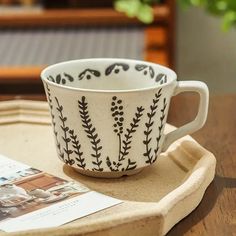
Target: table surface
216,214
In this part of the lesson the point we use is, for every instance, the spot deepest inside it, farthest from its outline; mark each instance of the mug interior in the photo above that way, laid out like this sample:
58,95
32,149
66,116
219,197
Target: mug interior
108,74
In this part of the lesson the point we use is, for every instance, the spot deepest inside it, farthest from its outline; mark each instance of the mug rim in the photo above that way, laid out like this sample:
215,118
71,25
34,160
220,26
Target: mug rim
61,86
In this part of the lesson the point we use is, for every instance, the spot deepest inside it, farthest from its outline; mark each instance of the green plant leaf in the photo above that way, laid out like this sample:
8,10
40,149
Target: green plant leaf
129,7
225,9
142,9
228,20
136,8
221,5
145,14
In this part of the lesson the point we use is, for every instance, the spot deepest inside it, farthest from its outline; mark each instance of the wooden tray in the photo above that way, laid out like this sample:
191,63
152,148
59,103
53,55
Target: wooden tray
154,200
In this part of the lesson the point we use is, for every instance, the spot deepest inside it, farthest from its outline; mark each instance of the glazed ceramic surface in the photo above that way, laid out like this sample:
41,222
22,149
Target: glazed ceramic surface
108,115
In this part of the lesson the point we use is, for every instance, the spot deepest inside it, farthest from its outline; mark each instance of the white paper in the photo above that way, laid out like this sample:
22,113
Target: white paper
33,199
8,166
60,213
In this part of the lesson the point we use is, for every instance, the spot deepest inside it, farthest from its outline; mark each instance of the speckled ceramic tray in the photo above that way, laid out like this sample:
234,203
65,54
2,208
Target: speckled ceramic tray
154,200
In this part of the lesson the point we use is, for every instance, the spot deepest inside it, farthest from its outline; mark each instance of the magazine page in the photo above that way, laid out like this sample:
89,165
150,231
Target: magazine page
33,199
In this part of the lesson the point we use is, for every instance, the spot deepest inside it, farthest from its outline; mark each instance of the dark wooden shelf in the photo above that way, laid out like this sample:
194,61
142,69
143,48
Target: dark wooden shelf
159,37
19,74
104,16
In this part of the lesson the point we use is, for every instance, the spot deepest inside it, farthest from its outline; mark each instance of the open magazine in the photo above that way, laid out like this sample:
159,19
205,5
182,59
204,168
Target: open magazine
33,199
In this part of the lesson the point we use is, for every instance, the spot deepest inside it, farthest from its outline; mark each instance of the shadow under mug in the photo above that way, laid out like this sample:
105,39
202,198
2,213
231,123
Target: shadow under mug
108,115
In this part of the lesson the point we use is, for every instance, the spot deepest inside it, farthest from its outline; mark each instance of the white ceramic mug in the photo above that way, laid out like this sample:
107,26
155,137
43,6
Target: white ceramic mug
108,115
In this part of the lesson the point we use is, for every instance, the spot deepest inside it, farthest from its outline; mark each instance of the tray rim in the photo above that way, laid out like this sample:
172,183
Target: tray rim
37,112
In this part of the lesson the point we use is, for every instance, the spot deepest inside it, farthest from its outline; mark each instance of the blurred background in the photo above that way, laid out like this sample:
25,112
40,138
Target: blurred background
185,35
205,51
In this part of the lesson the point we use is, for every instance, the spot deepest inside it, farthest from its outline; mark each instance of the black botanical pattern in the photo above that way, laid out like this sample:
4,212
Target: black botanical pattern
130,131
116,68
161,78
72,146
113,166
48,91
61,79
77,149
125,145
146,69
149,124
131,165
160,128
129,134
91,133
118,115
88,73
65,136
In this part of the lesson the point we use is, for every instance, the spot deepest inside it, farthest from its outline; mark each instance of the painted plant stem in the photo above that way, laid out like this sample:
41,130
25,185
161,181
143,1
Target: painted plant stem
161,127
128,136
117,114
131,165
61,154
77,150
91,134
128,139
125,145
114,166
65,137
153,108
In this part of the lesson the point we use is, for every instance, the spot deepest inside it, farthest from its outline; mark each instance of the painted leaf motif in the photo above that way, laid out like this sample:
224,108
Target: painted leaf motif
151,71
124,66
95,73
51,78
159,77
81,75
58,79
140,67
109,69
91,133
69,77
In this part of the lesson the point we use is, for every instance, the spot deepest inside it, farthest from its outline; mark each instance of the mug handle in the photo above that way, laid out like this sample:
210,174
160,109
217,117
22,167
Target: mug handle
190,86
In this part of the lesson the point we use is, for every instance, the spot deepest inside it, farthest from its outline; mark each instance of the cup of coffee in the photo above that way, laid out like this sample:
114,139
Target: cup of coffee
108,115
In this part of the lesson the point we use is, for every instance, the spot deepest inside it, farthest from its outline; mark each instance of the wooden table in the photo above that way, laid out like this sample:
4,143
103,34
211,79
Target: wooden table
216,214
